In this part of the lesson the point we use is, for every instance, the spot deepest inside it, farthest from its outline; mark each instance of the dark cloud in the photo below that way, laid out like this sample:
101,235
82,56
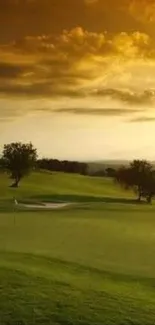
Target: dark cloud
65,86
11,70
133,98
96,111
39,89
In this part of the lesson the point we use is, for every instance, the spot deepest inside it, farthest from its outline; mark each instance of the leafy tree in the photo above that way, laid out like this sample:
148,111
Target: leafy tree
110,172
19,159
140,173
149,186
140,177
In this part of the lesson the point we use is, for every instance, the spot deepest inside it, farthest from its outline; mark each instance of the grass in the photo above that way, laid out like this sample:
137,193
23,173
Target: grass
92,263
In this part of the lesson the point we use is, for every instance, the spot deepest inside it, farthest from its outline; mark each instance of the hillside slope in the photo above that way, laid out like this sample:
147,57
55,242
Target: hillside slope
47,185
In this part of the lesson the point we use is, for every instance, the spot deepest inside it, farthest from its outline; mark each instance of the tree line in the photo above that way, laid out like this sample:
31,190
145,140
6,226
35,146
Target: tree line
19,159
62,166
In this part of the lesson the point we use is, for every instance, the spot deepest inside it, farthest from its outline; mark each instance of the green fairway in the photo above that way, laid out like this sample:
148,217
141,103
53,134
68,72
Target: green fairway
90,263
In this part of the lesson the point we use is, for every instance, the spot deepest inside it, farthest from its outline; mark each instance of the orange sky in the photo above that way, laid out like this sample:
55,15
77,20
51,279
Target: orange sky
77,77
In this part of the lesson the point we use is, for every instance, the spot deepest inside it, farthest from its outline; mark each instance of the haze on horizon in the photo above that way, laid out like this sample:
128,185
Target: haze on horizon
77,77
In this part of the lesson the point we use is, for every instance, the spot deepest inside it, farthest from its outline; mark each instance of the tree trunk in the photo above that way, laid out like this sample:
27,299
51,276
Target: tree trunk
139,197
140,194
16,183
149,199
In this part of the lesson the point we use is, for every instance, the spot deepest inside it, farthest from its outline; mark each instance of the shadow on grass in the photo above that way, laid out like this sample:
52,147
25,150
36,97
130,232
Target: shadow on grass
57,198
74,267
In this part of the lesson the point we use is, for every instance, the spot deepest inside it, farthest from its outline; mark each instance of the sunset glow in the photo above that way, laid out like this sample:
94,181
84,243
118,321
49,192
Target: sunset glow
77,77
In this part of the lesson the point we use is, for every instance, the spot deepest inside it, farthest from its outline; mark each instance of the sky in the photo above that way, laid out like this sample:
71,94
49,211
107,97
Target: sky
77,77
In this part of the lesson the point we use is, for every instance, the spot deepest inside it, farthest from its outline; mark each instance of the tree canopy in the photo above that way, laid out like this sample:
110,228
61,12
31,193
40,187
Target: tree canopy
140,177
19,159
63,166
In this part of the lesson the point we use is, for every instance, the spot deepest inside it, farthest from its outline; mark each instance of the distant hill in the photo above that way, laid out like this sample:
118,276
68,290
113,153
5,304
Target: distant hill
95,166
111,162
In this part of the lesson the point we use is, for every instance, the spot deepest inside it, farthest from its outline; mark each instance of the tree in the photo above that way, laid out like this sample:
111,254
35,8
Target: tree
149,186
19,159
140,177
140,173
110,172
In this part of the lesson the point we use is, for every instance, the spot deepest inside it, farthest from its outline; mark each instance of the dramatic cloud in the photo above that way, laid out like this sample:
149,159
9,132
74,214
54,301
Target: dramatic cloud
78,42
85,49
76,63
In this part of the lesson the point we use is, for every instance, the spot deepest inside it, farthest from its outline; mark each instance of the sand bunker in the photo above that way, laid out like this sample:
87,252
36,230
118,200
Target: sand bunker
45,206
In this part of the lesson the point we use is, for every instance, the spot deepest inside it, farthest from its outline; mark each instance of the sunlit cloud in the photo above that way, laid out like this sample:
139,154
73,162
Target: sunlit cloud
76,63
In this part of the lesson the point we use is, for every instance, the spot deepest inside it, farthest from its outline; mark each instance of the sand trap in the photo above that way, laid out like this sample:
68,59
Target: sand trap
45,206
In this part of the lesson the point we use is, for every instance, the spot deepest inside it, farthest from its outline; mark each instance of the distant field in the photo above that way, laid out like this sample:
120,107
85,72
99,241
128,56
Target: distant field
92,263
